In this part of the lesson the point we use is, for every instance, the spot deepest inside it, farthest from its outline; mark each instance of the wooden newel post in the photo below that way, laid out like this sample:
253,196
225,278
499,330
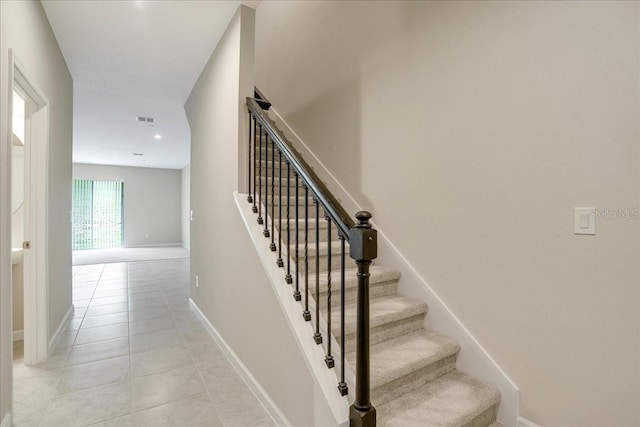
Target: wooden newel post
363,242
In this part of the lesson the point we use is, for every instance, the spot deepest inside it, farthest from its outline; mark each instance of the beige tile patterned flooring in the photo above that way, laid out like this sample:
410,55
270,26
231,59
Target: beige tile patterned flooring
134,354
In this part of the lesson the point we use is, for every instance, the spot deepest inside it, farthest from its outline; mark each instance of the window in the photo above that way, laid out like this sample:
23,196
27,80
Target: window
97,219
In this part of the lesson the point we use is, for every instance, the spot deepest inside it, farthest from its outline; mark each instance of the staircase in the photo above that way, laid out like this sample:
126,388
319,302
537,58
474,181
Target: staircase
412,377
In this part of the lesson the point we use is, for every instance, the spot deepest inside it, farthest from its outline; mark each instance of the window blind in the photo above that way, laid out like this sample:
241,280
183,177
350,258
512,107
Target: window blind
97,214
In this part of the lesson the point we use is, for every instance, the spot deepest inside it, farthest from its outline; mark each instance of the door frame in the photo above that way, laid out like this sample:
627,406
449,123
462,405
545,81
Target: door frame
36,298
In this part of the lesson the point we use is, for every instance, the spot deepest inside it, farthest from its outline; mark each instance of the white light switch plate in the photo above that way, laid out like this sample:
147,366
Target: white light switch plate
585,221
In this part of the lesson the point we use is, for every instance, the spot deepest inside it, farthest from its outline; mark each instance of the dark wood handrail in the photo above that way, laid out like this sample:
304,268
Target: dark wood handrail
320,191
362,238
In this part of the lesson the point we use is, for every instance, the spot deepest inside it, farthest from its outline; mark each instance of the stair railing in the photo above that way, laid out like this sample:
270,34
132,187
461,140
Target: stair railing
267,148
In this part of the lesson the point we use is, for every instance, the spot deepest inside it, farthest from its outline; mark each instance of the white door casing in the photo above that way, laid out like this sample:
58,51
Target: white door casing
35,210
35,287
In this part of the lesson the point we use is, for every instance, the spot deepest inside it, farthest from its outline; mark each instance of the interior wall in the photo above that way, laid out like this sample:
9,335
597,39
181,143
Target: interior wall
17,284
471,130
233,291
152,201
186,207
25,29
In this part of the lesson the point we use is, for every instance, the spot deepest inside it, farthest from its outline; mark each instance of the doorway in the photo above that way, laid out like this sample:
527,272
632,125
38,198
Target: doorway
28,131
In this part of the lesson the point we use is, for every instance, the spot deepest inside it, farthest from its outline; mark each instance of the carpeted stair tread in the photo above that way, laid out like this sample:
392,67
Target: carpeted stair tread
292,200
383,311
378,274
454,399
323,247
399,357
276,184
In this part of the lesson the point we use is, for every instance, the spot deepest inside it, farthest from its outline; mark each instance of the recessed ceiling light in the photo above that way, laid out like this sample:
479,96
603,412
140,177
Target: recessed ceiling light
157,136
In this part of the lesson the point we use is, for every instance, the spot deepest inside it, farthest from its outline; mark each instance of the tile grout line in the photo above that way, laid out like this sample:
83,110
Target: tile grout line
86,310
129,346
64,366
204,384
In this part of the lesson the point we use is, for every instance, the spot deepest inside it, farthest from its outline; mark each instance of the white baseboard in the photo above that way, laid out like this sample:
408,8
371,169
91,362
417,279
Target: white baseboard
523,422
18,335
263,397
156,245
6,421
60,329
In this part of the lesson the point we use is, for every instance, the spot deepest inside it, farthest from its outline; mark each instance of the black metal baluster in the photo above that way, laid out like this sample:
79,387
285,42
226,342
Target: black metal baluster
265,233
296,294
255,151
288,278
317,336
329,358
260,180
342,385
280,262
249,198
306,314
272,246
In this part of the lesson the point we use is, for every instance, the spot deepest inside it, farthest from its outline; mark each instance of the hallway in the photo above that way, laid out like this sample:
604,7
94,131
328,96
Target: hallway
134,354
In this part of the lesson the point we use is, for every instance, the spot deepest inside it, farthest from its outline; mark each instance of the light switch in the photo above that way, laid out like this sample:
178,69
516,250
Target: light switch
585,221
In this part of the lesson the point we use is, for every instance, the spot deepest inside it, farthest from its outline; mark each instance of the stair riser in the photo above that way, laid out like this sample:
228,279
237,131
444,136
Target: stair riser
265,171
292,199
386,331
311,238
276,185
265,146
266,154
335,263
266,196
486,418
267,163
261,175
376,290
406,384
292,211
266,174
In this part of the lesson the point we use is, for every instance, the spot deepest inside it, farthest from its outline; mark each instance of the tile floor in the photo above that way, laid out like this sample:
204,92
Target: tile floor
134,354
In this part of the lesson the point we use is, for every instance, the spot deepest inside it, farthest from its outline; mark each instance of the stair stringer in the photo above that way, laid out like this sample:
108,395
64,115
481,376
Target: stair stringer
329,405
473,358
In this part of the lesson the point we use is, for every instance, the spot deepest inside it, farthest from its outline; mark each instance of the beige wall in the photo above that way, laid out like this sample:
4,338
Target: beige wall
152,201
25,29
472,130
234,293
17,286
186,207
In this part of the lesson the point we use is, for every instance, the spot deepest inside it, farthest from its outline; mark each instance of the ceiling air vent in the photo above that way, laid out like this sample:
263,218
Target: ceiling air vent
143,119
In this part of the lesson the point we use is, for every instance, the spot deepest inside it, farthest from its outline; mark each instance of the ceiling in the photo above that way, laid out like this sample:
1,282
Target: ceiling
135,58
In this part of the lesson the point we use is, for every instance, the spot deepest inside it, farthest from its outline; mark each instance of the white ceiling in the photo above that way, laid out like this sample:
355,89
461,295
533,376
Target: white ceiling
135,58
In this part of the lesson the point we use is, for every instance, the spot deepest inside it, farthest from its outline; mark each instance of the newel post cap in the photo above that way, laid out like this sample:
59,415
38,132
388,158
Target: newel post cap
363,218
363,239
